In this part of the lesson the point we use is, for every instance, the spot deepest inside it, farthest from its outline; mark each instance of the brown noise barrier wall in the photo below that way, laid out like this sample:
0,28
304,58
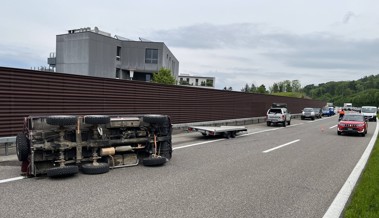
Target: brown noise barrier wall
27,92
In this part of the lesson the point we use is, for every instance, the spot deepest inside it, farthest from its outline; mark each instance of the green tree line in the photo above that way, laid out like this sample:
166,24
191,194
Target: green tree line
364,91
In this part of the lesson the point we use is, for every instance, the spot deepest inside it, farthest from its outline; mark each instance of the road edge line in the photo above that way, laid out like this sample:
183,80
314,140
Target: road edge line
339,202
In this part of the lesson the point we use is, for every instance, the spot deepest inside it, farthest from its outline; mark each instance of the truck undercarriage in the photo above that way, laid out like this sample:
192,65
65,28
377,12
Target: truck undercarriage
62,145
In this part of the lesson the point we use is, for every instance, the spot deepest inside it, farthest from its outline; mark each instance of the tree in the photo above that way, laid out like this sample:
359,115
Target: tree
163,76
262,89
246,88
296,86
275,88
253,88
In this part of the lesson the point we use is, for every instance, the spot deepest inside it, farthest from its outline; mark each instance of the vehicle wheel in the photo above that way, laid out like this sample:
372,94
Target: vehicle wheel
289,123
227,135
90,168
61,120
62,171
312,118
284,123
97,119
154,161
166,149
155,118
22,147
268,123
233,134
338,133
302,118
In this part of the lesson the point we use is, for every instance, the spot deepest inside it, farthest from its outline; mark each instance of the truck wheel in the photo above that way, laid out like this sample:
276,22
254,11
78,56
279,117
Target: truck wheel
22,147
155,118
62,171
268,123
154,161
97,119
61,120
95,169
166,149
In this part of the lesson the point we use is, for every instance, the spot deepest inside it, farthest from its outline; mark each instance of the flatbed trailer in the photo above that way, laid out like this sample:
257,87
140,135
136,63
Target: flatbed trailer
225,131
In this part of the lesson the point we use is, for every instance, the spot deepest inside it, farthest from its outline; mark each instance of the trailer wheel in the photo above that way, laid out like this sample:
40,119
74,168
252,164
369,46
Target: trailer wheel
90,168
62,171
22,147
61,120
154,161
155,118
233,134
97,119
166,149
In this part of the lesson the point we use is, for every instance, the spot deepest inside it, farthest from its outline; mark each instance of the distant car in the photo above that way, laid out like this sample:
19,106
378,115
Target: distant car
327,111
352,124
369,112
318,112
308,113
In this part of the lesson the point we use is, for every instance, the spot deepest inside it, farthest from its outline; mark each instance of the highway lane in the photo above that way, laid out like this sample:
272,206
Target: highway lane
221,178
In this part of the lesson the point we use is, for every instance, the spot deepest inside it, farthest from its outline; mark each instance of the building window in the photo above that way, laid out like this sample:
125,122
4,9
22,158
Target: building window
118,73
151,56
118,53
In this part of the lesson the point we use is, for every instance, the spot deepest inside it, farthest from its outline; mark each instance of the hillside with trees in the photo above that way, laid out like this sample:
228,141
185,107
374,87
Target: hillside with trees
364,91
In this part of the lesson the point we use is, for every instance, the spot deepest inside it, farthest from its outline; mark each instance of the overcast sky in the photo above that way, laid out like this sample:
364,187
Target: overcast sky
236,41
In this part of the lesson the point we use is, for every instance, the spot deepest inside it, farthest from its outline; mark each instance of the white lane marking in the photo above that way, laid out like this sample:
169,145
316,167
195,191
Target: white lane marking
280,146
12,179
338,204
333,126
200,143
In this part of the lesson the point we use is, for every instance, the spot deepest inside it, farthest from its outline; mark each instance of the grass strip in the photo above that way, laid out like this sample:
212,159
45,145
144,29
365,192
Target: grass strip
365,198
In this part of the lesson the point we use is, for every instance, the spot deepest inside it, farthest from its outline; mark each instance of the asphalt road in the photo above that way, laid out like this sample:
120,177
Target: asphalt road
269,172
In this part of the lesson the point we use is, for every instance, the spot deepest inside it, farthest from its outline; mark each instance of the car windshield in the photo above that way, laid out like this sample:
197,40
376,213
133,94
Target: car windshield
353,118
308,110
316,109
325,109
369,110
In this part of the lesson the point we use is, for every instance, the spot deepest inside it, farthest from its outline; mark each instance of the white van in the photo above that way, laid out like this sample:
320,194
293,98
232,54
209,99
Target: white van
369,112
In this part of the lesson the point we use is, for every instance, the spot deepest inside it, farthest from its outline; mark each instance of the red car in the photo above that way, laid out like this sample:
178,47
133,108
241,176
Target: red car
352,124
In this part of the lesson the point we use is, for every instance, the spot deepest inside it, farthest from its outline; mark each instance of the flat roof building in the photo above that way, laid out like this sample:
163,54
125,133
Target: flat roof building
96,53
196,81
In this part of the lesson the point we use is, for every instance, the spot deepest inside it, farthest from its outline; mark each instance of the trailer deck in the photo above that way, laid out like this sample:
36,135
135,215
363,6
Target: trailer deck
226,131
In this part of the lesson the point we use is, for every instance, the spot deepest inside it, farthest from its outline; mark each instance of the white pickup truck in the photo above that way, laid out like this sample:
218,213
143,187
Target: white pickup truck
278,115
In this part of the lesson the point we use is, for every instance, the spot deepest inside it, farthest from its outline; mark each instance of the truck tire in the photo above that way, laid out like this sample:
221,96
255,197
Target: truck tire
95,169
166,149
154,161
62,171
97,119
22,147
61,120
155,118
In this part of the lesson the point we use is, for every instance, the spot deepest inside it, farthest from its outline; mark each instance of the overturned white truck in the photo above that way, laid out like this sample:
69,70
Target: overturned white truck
63,145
